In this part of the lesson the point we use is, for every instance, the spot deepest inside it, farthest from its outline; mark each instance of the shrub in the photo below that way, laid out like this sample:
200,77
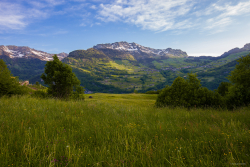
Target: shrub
153,92
188,93
237,96
40,94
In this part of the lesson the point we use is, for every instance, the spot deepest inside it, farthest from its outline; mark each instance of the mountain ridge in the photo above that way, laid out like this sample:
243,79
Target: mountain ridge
134,48
27,52
103,69
246,47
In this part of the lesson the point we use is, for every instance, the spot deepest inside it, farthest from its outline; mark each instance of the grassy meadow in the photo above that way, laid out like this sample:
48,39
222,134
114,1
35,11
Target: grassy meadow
120,130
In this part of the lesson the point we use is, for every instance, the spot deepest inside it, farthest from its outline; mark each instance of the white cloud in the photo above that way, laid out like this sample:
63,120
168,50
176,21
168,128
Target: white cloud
221,22
93,7
224,15
19,14
163,15
156,15
16,16
54,2
12,22
11,16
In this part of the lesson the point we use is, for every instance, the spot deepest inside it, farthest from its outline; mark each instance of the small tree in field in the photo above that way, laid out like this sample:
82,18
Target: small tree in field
61,80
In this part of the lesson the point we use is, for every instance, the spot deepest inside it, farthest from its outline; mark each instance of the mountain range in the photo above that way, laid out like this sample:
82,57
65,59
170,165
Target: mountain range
26,52
123,67
139,51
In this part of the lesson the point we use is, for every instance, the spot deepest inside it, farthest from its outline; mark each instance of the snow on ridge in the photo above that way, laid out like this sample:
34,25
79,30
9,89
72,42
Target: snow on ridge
13,51
20,55
159,52
39,53
132,49
120,48
6,49
36,53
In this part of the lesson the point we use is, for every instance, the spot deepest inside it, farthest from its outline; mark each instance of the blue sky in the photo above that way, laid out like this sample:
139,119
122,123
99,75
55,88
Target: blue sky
199,27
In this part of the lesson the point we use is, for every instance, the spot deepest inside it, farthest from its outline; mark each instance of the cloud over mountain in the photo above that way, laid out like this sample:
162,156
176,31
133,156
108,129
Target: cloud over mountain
163,15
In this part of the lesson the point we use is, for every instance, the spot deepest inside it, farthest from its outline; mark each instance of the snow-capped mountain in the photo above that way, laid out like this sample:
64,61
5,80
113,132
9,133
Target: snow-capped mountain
26,52
136,48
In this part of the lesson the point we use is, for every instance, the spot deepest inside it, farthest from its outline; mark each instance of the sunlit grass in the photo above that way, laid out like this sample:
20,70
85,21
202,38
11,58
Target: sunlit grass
119,130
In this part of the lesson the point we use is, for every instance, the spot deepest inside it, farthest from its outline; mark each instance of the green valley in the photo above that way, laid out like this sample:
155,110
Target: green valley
125,67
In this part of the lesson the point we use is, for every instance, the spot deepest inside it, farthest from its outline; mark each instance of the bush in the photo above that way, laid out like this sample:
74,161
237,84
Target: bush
40,94
237,96
153,92
188,93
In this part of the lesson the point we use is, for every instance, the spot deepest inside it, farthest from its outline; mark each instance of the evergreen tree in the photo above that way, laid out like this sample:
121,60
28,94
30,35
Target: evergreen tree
61,80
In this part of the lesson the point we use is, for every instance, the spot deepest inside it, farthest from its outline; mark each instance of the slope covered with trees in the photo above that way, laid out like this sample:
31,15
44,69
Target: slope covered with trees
118,71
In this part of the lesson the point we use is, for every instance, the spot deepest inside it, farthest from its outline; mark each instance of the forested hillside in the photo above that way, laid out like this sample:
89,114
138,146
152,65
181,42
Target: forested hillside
122,71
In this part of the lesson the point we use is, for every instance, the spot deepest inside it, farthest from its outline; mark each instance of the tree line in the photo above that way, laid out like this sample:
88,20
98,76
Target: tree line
62,83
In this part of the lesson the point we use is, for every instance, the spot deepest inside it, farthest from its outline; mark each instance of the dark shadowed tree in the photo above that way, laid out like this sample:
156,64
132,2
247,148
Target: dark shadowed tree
239,94
9,85
241,74
223,88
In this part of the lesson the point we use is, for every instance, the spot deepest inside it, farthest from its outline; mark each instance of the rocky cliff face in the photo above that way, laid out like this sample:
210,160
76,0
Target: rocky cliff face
26,52
134,49
236,50
247,46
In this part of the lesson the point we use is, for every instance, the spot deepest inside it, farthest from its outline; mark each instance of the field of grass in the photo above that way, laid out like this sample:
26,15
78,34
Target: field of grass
119,130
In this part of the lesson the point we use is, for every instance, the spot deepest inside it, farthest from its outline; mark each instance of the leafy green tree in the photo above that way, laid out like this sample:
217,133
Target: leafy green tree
241,74
239,94
61,80
9,85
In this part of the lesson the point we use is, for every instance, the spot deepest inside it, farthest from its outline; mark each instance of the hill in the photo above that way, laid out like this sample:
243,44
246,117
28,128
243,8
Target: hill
123,67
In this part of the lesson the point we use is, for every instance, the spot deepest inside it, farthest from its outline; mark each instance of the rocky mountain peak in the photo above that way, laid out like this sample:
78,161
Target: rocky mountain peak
134,48
236,50
247,46
26,52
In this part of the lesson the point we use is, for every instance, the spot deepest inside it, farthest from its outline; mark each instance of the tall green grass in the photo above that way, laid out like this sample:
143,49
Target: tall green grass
101,132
